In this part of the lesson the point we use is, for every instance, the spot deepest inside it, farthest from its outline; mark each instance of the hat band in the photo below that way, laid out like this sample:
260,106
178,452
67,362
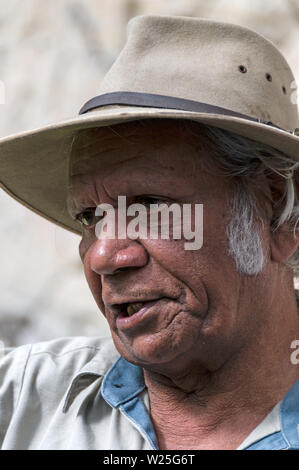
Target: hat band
162,101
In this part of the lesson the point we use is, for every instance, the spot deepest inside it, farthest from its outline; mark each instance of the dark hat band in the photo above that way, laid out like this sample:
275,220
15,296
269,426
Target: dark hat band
160,101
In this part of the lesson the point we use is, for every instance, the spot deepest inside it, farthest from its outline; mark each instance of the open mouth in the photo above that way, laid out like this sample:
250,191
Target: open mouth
129,309
133,308
132,314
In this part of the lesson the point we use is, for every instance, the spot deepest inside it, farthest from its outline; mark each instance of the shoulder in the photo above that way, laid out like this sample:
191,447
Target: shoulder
78,349
62,346
35,379
46,361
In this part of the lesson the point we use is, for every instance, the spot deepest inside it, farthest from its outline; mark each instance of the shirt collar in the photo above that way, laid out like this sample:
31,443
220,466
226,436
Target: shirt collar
122,382
95,369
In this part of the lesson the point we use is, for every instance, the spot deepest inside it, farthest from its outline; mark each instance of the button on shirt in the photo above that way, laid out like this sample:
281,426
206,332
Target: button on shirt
78,393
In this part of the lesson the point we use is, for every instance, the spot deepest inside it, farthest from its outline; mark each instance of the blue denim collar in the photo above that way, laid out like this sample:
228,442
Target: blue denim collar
122,382
121,388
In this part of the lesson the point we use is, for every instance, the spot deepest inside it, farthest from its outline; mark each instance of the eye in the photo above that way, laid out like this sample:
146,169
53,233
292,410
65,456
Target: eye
88,218
148,200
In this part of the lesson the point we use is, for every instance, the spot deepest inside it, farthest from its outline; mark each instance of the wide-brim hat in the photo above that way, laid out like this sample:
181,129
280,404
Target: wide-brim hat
215,73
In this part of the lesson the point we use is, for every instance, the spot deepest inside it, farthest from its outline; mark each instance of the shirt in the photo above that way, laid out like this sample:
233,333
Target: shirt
79,393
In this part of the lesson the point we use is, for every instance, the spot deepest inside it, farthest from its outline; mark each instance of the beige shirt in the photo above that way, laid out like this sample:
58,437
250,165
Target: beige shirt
77,393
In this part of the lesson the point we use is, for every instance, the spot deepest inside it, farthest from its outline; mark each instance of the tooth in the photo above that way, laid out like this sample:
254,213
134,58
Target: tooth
134,307
130,310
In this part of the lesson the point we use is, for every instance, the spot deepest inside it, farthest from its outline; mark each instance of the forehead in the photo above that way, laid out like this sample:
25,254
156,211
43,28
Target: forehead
137,157
153,143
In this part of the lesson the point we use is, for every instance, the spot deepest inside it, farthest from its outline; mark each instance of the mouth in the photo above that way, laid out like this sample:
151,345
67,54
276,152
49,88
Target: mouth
129,314
128,309
131,308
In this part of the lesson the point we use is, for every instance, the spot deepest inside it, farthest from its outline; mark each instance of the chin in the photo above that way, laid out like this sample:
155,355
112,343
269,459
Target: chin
150,350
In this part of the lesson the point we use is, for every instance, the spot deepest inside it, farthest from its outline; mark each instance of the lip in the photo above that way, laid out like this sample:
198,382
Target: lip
124,322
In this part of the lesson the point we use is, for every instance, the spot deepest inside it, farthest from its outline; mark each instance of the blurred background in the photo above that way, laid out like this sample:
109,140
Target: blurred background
52,58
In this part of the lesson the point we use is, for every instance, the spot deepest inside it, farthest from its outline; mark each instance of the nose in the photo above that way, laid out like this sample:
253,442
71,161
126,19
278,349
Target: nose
109,256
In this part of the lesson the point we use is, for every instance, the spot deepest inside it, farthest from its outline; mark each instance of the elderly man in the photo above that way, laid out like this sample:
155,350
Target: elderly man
192,113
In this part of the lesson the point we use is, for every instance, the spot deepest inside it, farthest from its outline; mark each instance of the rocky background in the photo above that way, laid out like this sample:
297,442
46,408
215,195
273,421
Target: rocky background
53,55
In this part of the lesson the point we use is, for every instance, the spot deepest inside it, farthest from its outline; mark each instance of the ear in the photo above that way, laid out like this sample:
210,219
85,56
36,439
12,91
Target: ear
284,242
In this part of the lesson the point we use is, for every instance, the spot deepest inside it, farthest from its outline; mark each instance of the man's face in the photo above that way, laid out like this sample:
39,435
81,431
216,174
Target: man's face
194,305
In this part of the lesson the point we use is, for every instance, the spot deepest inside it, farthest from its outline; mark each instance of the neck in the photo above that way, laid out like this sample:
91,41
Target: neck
217,409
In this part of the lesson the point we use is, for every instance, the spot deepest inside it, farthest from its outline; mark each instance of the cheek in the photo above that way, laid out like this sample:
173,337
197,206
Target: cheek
207,275
182,270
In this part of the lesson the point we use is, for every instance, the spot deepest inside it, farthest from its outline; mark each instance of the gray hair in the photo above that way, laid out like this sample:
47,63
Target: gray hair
244,158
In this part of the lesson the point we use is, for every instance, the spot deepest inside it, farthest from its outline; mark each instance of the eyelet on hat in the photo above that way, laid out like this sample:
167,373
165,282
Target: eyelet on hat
242,68
268,77
284,90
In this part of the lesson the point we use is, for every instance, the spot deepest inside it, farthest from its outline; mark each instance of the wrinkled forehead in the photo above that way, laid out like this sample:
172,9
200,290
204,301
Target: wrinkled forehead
93,147
147,157
98,148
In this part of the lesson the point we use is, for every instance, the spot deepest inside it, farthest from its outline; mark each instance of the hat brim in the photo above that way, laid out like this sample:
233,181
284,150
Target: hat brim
34,164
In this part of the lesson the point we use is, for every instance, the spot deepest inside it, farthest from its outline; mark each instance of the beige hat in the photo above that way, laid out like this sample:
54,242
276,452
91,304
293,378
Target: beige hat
219,74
